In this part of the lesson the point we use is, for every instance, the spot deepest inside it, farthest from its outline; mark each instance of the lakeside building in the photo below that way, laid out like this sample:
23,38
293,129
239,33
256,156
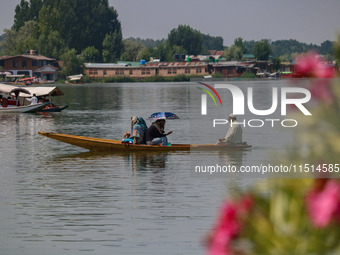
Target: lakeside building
143,70
168,69
31,64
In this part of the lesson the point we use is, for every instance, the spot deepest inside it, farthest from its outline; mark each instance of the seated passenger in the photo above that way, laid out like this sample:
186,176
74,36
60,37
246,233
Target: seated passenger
155,134
4,102
138,130
33,100
234,134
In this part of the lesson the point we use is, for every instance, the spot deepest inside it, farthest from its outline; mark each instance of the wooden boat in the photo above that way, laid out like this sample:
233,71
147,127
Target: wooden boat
44,95
53,108
23,108
98,144
74,79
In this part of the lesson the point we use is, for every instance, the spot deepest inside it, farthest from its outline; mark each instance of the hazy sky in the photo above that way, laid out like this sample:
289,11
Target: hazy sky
310,21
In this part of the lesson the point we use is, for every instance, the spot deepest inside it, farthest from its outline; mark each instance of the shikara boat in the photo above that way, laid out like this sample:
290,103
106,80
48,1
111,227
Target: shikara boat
23,108
44,95
98,144
74,79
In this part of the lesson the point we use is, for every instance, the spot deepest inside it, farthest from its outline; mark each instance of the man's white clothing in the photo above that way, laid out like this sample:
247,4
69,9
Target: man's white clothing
234,134
33,100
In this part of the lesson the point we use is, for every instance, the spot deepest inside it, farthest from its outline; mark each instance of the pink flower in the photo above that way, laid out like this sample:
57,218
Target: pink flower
306,64
324,71
228,225
324,206
226,229
312,65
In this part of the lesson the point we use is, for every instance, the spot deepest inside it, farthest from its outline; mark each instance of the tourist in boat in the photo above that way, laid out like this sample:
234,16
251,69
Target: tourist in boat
156,135
4,101
234,134
138,130
33,100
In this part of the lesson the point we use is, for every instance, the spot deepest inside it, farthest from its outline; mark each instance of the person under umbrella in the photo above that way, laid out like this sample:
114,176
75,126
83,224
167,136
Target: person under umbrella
155,133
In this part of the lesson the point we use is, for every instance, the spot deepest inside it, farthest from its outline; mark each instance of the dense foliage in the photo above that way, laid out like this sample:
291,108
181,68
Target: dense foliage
188,38
92,29
262,50
55,26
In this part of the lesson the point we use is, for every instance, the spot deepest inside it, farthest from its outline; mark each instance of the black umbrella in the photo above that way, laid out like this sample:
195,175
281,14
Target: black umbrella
16,91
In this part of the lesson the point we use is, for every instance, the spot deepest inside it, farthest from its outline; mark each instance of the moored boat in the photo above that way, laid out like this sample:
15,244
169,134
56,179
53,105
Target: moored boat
23,108
44,94
53,108
99,144
74,79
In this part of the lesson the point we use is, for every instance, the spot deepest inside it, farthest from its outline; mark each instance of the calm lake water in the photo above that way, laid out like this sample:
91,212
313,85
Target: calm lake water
56,198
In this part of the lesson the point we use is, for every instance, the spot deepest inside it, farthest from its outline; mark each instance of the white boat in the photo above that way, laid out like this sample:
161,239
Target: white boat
45,94
24,108
74,79
13,103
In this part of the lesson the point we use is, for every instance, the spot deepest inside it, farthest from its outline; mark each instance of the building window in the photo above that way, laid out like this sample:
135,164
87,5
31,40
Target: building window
198,70
169,71
119,72
93,71
131,72
187,70
35,63
24,63
104,72
15,63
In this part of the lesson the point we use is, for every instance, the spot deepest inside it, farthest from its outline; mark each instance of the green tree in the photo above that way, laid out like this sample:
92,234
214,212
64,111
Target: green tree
132,49
337,49
276,63
249,46
87,23
188,38
48,20
262,50
51,44
160,52
17,42
71,64
22,15
81,23
112,47
90,55
26,11
145,54
212,43
239,43
233,53
327,47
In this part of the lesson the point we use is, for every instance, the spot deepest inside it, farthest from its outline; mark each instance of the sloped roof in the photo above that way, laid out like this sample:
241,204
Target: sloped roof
47,68
34,57
39,91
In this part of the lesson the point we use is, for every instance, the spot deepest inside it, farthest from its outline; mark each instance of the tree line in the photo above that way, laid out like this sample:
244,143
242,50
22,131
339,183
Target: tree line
78,31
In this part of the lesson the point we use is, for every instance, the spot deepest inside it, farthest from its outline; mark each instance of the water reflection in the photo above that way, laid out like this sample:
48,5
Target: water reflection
135,161
62,199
